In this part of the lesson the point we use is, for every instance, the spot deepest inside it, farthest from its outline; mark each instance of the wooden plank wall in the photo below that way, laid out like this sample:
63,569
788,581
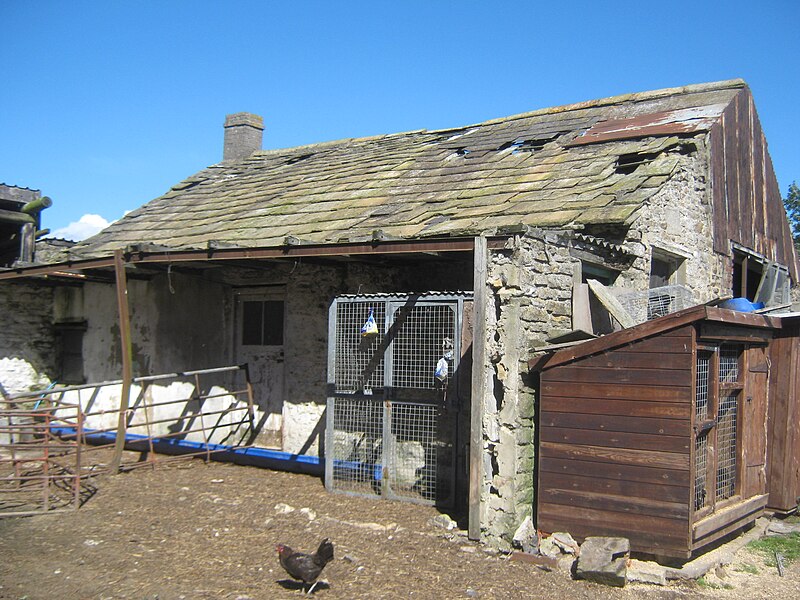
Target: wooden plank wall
748,204
783,452
615,435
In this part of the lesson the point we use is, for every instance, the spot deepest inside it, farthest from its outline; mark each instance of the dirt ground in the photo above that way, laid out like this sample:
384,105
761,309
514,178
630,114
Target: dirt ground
192,530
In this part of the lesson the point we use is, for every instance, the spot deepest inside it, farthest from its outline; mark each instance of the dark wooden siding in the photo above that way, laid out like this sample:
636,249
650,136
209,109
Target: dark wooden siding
615,436
783,452
748,205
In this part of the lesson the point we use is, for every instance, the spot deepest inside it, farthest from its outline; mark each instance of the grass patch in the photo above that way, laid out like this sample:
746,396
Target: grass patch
705,583
747,568
786,545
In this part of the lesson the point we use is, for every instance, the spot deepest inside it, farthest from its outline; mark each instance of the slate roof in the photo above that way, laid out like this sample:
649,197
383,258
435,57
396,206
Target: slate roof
570,166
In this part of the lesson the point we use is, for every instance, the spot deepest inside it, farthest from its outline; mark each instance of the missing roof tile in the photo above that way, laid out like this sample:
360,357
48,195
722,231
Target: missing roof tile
299,158
521,145
628,163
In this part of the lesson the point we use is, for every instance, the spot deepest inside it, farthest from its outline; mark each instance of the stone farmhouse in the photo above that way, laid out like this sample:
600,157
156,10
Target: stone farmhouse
389,292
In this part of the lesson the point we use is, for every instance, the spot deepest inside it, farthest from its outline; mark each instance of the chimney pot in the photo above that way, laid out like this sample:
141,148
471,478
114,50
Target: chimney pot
243,134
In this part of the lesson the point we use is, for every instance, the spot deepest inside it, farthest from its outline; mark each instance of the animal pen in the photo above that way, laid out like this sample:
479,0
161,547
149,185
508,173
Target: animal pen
53,442
658,433
394,378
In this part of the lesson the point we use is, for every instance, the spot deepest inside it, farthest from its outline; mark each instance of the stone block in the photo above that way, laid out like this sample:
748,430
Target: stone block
525,537
604,560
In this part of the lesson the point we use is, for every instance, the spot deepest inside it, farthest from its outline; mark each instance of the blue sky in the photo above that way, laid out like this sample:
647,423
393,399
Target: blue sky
105,105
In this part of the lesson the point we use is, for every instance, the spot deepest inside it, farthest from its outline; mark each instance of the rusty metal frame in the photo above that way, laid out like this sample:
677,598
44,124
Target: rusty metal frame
47,447
134,256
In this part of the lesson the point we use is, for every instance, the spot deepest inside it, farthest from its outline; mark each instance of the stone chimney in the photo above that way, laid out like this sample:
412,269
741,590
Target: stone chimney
243,132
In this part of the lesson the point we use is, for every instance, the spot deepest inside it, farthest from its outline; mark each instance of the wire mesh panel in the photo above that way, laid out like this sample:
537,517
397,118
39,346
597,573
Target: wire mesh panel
359,359
701,388
702,380
424,335
726,446
701,471
729,364
398,442
656,302
414,472
357,448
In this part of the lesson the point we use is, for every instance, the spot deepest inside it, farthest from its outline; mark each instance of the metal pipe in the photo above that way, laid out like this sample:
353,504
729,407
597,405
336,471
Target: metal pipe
38,205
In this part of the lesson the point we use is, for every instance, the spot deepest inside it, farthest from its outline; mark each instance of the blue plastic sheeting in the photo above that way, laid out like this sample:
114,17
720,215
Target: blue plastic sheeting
258,457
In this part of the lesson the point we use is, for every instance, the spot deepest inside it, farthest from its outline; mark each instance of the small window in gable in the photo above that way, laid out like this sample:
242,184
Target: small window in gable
666,269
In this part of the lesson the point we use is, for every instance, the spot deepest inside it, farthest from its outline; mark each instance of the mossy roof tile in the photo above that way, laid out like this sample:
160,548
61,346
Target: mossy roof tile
481,178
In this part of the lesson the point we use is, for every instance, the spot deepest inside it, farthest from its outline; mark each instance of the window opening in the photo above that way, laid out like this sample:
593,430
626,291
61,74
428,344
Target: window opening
262,322
70,352
747,272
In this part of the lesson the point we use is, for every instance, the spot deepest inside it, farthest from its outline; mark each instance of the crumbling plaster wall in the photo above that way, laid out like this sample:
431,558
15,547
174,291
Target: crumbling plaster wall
178,323
529,286
27,341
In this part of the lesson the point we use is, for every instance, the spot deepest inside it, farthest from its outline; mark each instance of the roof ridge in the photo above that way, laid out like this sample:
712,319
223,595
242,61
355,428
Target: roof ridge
322,145
694,88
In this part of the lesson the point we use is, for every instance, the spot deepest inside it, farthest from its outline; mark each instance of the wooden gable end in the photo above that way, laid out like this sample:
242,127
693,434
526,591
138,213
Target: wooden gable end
747,202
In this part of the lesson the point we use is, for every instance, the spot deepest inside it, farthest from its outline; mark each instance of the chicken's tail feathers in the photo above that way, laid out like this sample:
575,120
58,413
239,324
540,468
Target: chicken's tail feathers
325,551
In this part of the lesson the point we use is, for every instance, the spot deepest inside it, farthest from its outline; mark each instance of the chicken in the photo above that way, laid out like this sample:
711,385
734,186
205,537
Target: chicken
305,567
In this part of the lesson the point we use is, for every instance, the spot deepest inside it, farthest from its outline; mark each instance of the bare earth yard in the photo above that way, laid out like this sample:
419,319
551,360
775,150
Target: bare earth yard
192,530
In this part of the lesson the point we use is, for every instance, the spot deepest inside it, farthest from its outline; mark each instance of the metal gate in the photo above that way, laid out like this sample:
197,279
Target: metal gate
392,414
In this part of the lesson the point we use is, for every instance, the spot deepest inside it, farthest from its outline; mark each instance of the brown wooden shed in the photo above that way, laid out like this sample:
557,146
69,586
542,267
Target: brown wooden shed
657,433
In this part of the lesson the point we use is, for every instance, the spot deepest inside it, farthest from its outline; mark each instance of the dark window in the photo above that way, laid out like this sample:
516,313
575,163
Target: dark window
70,352
262,323
747,272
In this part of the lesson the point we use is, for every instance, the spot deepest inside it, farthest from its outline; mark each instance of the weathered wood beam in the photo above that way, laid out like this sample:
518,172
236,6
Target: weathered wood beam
127,366
479,386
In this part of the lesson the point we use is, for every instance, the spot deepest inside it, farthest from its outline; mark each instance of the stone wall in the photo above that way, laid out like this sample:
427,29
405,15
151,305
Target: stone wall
530,285
27,341
678,220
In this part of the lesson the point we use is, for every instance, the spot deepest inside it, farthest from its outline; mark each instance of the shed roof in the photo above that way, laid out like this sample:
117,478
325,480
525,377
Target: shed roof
557,167
657,326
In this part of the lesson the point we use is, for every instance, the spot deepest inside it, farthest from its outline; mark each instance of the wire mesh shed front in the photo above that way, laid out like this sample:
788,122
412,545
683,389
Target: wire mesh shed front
656,432
393,364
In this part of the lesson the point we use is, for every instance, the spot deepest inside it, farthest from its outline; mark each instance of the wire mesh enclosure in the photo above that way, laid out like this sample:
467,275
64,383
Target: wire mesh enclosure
717,446
391,422
655,302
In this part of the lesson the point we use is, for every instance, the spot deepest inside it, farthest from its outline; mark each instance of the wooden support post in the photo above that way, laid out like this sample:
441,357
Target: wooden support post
480,257
127,367
27,242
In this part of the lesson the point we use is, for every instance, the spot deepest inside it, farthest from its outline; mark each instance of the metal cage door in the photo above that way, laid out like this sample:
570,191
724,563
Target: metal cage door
391,410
